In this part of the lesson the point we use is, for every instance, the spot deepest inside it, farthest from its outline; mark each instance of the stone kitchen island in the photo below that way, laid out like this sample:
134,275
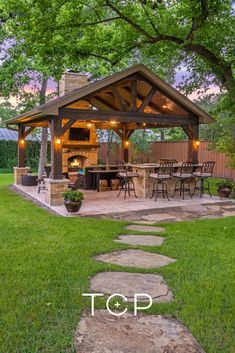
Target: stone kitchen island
144,184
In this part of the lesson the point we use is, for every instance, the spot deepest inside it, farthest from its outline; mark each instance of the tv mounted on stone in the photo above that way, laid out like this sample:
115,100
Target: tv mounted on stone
79,134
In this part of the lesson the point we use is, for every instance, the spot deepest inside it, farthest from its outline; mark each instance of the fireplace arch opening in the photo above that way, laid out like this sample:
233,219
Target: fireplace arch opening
76,163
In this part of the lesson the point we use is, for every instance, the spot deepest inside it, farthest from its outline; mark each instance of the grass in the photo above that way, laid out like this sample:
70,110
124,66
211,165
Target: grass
46,262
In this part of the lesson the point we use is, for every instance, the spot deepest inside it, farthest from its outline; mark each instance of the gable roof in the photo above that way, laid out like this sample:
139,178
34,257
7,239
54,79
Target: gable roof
52,107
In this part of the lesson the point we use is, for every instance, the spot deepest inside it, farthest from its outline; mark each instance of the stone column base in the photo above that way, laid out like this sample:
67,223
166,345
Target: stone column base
18,173
55,190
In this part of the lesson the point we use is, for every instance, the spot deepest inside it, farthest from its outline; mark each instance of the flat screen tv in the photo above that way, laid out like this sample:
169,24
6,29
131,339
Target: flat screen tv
79,134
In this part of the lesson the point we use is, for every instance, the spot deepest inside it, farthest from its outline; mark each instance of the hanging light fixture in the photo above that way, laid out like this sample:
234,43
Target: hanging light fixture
126,143
22,141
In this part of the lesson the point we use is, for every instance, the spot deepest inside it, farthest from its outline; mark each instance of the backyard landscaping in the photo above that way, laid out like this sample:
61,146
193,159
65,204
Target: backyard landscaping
47,261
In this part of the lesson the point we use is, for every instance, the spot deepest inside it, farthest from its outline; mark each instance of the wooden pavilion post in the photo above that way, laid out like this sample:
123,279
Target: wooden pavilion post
56,185
56,148
193,134
126,134
21,146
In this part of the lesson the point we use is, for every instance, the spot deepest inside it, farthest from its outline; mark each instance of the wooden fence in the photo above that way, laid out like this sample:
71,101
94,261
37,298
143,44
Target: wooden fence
177,150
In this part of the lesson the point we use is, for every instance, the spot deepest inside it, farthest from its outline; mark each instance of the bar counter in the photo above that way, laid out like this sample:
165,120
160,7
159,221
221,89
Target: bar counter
144,184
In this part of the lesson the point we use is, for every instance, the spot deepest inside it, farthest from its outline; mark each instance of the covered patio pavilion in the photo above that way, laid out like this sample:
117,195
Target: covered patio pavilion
132,99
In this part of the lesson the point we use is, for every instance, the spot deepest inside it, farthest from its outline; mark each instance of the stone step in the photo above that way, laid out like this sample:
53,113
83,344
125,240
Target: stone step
145,240
135,258
105,333
144,228
130,283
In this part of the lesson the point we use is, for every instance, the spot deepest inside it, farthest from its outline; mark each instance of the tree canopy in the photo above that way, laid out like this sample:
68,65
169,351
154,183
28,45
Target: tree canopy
103,36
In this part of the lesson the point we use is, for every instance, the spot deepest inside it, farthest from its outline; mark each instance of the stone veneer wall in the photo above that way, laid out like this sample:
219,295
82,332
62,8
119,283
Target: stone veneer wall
55,190
18,173
90,154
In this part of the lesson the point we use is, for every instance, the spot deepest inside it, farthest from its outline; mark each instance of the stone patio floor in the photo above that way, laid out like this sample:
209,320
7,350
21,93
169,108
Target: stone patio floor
106,205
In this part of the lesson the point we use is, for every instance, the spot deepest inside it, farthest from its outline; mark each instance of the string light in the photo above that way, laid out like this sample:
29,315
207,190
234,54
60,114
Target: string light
22,141
197,143
127,143
144,124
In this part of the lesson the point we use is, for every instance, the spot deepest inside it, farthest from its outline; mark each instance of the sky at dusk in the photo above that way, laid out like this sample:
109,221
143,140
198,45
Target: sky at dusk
52,88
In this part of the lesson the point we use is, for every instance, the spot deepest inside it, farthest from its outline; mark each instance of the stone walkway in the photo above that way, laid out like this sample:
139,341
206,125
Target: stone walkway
145,240
135,258
145,229
130,283
106,333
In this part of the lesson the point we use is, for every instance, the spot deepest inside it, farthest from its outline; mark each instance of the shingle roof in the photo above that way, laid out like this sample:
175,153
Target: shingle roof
11,135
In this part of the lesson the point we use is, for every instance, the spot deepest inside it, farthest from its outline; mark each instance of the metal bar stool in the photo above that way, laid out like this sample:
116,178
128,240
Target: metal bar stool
161,176
184,177
126,179
201,176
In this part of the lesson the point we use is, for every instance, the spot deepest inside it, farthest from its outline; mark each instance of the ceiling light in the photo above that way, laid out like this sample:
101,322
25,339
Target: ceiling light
113,123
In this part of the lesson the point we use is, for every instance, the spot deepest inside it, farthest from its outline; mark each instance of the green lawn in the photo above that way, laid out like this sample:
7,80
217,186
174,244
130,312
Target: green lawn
46,261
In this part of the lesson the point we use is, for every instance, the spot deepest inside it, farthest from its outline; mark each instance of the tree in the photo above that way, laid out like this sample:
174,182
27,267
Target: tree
222,132
7,111
103,36
198,33
17,73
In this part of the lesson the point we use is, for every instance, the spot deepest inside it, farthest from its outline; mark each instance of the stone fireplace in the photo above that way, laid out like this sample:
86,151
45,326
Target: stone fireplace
79,154
78,158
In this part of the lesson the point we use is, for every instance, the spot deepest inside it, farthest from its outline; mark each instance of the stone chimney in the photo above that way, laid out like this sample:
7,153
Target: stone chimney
72,80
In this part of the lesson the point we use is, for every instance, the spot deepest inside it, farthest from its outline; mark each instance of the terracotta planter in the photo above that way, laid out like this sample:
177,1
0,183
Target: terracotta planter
72,206
224,191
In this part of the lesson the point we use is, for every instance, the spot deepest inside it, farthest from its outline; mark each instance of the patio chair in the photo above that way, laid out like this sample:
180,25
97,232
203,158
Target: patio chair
41,185
163,173
126,179
201,177
184,178
78,184
29,180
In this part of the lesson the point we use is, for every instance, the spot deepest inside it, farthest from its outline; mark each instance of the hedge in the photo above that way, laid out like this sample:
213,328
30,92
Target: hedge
8,154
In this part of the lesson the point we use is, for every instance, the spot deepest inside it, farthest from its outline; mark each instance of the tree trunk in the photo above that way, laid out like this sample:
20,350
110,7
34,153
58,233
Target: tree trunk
109,145
162,133
44,138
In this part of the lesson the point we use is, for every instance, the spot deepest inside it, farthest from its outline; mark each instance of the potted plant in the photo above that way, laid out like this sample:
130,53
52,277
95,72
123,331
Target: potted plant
225,187
73,200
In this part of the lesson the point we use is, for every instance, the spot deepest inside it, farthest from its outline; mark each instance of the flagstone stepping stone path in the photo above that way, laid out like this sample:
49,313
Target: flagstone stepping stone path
159,217
145,240
140,228
135,258
106,333
130,283
145,222
103,333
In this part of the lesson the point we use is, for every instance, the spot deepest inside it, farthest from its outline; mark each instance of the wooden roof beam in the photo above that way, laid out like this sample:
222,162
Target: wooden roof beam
120,98
147,99
125,117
